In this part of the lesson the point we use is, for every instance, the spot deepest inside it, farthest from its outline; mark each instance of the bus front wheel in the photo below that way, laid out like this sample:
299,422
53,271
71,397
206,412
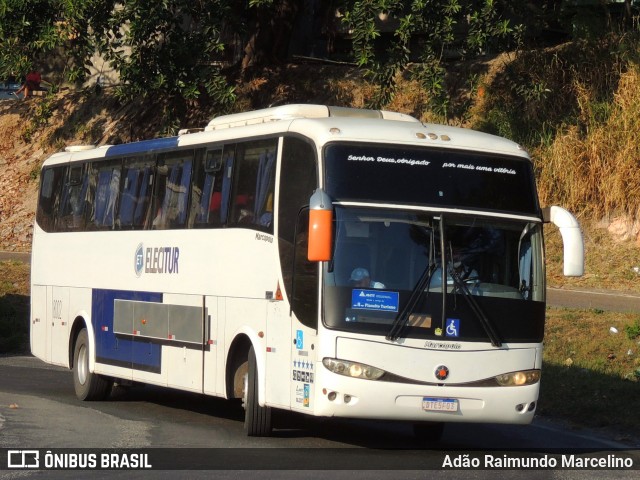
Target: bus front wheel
88,386
257,419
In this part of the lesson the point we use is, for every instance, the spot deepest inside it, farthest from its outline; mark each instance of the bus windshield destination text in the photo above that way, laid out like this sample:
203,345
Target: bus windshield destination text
479,168
411,161
402,161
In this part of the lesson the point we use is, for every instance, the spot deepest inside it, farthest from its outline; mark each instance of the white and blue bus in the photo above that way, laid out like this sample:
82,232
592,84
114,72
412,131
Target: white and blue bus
330,261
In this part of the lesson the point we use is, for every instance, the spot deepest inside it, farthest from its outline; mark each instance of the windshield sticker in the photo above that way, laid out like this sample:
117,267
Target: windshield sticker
375,300
380,159
419,321
453,327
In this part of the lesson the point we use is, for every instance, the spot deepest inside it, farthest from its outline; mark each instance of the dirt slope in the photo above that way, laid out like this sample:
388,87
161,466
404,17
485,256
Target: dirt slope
19,162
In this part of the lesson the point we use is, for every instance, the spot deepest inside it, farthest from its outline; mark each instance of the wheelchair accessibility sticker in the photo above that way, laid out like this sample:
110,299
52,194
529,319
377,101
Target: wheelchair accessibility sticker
452,327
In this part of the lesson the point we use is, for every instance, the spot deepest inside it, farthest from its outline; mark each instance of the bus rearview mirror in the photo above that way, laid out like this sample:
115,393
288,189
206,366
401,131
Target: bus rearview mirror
571,239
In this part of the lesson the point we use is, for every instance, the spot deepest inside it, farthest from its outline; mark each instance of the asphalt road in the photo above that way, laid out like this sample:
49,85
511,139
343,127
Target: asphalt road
49,415
38,410
596,299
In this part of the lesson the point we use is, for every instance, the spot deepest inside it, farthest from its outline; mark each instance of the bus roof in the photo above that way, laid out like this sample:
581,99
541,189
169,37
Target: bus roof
321,123
289,112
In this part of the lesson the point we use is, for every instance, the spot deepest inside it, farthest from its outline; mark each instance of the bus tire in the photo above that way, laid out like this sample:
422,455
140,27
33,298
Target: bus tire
428,432
88,386
257,419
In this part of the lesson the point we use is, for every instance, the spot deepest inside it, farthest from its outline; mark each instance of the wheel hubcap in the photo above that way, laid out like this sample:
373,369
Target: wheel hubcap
245,390
83,364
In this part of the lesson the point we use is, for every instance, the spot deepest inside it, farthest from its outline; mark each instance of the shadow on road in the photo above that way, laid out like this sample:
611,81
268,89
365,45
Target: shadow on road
14,323
287,425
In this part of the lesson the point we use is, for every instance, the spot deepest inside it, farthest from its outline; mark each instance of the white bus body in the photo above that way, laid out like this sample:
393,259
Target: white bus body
184,262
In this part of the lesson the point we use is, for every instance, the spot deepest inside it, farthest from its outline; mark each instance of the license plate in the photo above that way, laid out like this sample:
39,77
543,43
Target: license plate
439,404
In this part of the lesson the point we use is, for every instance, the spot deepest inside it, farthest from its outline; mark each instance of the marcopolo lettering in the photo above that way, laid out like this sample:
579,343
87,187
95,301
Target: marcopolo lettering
161,259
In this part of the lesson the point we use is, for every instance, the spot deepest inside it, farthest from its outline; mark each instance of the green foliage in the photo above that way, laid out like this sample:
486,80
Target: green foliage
424,32
542,90
168,48
27,29
633,330
42,113
175,49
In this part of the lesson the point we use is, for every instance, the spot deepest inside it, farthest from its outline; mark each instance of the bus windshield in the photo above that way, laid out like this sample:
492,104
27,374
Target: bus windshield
381,256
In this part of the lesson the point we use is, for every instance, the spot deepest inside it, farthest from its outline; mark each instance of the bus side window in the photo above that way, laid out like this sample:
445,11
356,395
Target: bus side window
172,190
253,186
72,205
136,193
206,188
48,202
107,181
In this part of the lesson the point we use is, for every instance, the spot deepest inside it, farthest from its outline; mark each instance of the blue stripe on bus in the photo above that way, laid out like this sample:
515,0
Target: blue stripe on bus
137,353
142,147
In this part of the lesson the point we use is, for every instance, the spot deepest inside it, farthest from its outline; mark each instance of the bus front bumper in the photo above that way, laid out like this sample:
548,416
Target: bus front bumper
340,396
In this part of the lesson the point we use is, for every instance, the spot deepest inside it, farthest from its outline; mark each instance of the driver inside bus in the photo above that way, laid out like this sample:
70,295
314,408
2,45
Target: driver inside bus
465,254
360,278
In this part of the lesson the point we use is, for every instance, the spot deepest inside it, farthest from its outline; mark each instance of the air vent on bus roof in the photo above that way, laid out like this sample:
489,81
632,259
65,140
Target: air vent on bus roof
287,112
78,148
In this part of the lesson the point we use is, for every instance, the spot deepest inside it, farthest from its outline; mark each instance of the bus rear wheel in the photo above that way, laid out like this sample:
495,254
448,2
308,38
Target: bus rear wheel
88,386
257,419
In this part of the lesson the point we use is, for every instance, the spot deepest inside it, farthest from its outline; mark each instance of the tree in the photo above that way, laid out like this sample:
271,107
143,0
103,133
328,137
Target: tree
185,48
169,47
424,32
269,27
27,30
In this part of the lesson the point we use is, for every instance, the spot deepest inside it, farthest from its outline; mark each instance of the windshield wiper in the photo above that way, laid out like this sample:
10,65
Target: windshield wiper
488,326
403,317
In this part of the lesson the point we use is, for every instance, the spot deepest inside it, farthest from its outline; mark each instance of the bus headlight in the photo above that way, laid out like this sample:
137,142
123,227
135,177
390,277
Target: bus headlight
352,369
516,379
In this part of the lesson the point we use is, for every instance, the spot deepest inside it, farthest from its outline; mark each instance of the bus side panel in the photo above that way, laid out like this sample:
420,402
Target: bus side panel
79,307
304,367
182,364
248,316
59,321
38,332
278,357
212,347
117,350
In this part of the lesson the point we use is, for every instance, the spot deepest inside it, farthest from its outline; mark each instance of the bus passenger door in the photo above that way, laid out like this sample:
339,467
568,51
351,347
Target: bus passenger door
212,347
